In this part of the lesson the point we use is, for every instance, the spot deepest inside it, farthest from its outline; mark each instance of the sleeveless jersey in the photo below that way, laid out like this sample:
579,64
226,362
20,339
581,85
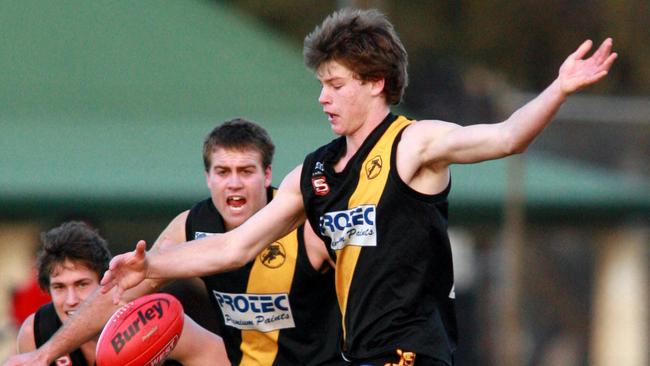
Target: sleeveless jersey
46,323
394,274
276,310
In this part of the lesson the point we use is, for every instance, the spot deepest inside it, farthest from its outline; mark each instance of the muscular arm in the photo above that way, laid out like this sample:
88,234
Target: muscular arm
443,143
437,144
88,322
231,250
97,308
216,253
26,341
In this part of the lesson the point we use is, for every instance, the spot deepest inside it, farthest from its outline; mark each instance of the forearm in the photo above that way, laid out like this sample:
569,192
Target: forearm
228,251
219,252
528,121
195,259
87,323
89,320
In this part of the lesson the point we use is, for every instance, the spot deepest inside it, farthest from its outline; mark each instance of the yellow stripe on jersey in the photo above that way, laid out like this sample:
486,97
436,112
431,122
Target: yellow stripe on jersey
372,180
269,276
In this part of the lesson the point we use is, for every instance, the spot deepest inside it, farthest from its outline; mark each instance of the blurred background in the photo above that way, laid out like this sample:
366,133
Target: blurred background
104,106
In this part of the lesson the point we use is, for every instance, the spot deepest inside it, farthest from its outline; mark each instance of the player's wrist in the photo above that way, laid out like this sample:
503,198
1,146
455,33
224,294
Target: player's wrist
149,265
46,353
558,90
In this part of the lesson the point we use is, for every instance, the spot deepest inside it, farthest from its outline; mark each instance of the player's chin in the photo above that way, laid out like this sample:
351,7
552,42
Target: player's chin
235,218
337,131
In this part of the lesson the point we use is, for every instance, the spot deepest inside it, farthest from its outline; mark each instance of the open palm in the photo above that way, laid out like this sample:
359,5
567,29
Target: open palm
125,271
578,72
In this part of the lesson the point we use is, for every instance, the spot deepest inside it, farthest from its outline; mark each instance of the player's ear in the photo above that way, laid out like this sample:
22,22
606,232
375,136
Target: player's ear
268,176
377,86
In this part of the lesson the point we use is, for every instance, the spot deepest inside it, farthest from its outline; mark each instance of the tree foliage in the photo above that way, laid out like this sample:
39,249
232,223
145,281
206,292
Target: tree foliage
525,41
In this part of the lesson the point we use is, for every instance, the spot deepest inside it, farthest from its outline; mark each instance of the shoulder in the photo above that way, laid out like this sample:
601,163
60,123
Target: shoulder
421,155
25,339
178,222
423,141
289,192
291,182
174,233
176,227
427,129
180,218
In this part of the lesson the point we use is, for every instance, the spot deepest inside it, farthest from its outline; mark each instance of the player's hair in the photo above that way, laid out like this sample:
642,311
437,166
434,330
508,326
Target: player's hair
239,134
74,241
365,42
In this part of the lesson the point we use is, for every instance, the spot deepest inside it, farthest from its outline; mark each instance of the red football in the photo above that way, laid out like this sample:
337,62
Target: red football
142,332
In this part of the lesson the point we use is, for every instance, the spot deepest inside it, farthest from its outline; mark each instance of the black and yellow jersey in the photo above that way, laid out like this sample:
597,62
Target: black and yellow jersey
394,274
276,310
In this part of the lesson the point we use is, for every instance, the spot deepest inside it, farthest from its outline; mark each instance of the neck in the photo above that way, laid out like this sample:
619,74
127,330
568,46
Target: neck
372,120
354,140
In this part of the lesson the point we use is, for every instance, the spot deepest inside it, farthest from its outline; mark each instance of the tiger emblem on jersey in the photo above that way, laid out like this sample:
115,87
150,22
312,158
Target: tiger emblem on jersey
273,256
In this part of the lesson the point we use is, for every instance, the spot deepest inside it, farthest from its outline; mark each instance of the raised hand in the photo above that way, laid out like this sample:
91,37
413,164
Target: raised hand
126,271
577,72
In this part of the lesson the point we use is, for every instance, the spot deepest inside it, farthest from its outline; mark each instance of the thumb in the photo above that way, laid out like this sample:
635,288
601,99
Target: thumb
140,250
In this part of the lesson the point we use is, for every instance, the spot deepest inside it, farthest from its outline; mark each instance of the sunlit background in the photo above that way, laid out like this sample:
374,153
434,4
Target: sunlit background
104,105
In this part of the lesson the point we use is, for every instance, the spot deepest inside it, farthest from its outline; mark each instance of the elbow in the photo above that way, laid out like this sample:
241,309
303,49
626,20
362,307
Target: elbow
236,258
516,148
238,262
514,144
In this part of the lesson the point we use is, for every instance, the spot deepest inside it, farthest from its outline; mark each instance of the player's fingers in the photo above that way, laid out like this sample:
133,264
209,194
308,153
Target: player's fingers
140,249
107,281
596,77
115,263
610,60
582,50
603,51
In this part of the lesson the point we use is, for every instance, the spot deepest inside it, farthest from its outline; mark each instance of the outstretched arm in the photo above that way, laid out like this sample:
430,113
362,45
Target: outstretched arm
96,309
442,144
86,324
216,253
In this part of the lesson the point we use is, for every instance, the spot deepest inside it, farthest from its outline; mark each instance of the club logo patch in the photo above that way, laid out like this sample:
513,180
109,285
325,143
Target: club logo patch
318,181
273,256
320,186
373,167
